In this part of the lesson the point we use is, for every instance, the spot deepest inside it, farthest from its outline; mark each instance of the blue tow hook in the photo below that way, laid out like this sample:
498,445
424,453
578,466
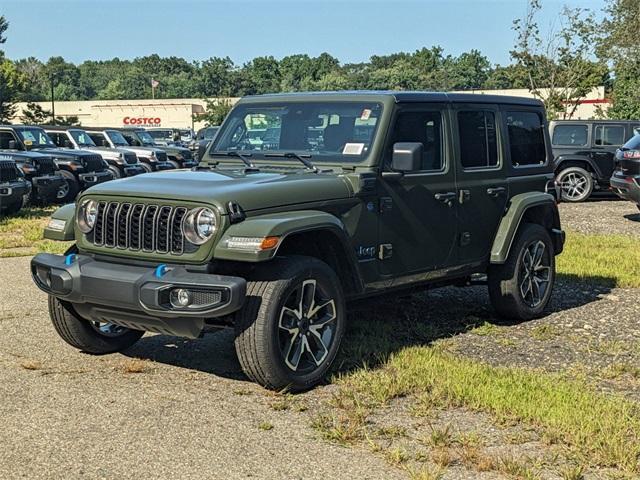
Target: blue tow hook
161,270
69,259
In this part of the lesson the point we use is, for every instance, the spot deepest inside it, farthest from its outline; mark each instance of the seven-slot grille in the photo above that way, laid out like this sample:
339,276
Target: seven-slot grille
8,171
93,163
45,165
130,158
134,226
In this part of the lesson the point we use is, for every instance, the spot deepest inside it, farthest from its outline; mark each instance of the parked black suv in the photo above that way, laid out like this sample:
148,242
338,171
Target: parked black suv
14,188
177,156
79,168
625,180
40,169
584,152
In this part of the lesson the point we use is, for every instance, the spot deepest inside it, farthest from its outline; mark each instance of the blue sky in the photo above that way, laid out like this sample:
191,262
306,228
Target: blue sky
351,30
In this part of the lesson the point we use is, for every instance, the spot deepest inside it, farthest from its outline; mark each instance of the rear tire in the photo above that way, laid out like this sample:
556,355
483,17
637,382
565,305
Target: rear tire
69,191
289,331
576,184
520,288
86,335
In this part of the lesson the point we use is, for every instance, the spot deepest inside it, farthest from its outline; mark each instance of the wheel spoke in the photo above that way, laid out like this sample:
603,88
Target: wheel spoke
526,282
307,299
293,316
321,353
538,254
329,305
296,348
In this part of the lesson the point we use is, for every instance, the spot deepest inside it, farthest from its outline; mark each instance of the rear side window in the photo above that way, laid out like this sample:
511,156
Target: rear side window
526,138
478,139
5,138
570,135
609,135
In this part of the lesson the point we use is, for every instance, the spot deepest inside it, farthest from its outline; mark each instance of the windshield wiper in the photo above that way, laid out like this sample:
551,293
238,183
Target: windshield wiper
242,156
303,158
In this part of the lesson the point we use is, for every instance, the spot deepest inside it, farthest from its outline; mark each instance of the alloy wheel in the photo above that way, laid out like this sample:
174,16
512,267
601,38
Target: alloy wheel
63,191
306,327
574,185
535,274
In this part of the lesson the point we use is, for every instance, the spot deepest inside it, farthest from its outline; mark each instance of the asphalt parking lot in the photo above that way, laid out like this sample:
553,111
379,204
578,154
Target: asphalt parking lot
186,411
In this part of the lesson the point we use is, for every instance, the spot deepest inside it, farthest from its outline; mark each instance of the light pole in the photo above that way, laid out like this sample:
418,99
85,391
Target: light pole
53,101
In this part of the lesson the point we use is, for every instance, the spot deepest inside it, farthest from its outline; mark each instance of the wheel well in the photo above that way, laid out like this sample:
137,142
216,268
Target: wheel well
545,215
575,163
326,246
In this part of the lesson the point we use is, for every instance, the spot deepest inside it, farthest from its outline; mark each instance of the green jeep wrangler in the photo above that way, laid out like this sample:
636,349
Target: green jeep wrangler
353,195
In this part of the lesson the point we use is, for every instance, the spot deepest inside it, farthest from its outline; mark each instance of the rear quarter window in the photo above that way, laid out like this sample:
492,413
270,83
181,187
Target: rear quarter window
570,135
526,138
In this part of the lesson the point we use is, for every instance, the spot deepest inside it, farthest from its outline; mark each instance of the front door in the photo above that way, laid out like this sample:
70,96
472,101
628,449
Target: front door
481,179
607,138
418,209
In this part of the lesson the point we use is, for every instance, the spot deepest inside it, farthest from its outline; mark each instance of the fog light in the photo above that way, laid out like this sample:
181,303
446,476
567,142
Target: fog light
44,275
180,298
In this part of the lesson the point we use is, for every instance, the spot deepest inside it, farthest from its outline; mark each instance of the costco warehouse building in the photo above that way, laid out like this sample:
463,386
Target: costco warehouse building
180,113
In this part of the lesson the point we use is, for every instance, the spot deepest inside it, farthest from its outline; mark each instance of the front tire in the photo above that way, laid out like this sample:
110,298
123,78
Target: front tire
91,337
520,288
147,168
115,172
174,164
576,184
69,190
289,331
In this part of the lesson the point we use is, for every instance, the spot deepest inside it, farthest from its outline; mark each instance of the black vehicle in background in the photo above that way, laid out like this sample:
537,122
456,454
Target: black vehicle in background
80,169
203,137
40,170
584,152
178,157
14,187
625,181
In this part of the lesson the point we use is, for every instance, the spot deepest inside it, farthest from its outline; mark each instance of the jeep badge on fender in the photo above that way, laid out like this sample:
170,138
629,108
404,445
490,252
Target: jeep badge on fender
302,203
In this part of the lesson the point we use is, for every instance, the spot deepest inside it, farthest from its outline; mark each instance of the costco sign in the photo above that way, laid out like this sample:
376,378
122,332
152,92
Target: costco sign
149,121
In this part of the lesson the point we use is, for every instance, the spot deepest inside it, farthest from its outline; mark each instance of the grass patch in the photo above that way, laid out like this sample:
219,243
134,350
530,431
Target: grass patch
613,260
22,234
601,430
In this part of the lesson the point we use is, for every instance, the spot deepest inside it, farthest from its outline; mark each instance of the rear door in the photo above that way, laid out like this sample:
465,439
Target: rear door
607,138
482,189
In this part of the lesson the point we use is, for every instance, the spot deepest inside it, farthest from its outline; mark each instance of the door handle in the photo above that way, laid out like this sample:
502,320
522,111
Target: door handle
496,191
447,197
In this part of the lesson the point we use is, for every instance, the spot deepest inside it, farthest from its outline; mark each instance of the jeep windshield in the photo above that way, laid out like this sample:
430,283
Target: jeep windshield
117,138
166,135
331,131
144,137
34,137
82,138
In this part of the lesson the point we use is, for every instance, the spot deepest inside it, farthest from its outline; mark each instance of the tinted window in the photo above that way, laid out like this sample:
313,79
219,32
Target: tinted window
5,138
526,138
633,144
425,128
58,138
609,135
570,135
97,138
478,140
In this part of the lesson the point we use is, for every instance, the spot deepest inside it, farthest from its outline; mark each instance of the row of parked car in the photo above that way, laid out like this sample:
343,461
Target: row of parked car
51,164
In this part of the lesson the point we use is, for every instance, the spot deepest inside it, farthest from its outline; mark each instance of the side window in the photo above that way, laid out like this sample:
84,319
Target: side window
425,128
97,138
5,138
526,138
477,138
570,135
58,138
609,135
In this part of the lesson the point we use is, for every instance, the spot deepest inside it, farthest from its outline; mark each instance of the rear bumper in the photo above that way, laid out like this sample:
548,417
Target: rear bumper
626,186
94,178
136,296
46,188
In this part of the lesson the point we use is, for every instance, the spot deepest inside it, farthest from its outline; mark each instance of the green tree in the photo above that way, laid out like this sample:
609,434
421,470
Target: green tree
216,110
560,68
69,121
12,82
34,114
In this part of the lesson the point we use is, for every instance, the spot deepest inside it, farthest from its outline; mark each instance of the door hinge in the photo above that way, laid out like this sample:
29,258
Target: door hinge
385,251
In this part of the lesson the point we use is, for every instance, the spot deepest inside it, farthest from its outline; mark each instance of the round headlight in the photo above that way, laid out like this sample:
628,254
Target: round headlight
199,225
87,215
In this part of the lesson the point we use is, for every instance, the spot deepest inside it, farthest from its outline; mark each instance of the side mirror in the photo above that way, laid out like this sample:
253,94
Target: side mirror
12,145
407,156
202,149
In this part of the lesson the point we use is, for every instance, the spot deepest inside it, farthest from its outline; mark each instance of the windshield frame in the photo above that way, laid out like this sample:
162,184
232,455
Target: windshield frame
383,103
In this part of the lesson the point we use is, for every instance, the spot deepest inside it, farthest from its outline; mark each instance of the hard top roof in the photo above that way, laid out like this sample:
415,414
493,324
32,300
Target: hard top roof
399,97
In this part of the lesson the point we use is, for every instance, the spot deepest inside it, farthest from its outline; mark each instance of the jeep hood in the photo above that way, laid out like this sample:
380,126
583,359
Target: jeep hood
64,152
252,191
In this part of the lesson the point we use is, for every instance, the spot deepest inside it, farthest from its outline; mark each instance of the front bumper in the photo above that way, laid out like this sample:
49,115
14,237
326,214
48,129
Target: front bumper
133,170
162,166
94,178
137,296
14,192
626,186
189,163
46,188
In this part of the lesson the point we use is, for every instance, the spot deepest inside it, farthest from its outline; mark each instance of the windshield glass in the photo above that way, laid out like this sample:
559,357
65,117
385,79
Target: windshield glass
117,138
35,137
634,143
144,137
162,134
207,133
82,138
342,131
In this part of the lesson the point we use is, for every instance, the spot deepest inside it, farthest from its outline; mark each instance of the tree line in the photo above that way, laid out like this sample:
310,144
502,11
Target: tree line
560,68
